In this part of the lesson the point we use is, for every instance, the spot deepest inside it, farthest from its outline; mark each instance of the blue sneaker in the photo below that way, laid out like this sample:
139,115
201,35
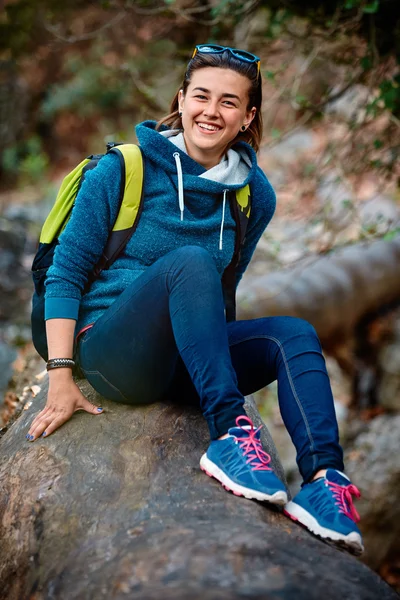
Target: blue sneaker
242,466
325,507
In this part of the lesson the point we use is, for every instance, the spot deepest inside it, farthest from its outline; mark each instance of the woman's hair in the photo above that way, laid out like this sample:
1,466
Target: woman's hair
223,60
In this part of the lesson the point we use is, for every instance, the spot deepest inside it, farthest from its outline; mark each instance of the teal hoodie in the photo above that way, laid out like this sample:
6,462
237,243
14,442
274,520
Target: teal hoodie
184,204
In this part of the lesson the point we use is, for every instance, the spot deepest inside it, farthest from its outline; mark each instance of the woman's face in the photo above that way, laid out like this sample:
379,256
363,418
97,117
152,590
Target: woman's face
214,109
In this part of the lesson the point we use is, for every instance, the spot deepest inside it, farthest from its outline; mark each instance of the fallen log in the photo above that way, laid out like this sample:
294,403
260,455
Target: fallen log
115,506
332,292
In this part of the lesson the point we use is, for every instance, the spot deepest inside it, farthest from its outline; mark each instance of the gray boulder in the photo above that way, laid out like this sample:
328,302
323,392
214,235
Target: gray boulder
373,464
115,506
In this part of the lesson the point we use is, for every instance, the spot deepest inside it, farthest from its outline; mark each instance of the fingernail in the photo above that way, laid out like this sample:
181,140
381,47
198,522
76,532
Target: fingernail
27,436
99,409
43,434
31,437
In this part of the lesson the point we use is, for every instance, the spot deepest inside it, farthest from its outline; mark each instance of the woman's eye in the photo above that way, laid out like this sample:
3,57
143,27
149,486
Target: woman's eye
201,97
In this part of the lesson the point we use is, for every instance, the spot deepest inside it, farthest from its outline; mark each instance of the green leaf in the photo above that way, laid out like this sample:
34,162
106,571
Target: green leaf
372,7
349,4
347,203
269,75
390,235
378,144
9,160
372,107
275,133
302,100
309,169
366,63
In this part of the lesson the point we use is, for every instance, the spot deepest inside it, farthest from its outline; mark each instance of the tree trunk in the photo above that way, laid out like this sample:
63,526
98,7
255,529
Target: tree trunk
332,292
115,506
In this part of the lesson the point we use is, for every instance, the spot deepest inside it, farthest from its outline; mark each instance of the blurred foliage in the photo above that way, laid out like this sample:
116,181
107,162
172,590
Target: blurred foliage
114,62
388,98
365,7
22,23
25,161
100,82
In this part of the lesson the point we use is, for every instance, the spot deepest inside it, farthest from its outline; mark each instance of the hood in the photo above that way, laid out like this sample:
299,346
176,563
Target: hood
233,169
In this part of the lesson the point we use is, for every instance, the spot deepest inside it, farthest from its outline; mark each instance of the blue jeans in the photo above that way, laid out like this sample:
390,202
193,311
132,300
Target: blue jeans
166,336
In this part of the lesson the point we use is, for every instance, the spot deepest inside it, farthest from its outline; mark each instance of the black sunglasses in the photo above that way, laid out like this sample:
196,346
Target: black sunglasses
240,54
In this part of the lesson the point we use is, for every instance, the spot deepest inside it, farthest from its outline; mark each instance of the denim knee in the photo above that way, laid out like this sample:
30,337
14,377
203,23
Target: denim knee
298,326
286,328
305,327
191,262
193,256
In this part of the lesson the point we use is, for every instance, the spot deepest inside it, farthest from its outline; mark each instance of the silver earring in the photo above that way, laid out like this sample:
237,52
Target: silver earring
243,128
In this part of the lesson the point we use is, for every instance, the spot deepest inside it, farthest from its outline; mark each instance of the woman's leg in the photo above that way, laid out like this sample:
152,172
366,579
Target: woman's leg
288,349
175,309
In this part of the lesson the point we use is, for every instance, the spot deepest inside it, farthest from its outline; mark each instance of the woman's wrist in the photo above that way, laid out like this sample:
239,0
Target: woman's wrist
60,363
60,368
60,376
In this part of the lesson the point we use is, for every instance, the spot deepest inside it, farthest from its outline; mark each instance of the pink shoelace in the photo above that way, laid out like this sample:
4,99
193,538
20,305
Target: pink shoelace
251,446
344,499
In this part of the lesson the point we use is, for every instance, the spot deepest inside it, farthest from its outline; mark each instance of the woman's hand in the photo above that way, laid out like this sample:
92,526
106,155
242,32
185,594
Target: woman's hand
64,398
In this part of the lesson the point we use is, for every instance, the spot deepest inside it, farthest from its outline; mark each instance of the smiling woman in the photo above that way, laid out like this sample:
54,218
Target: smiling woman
160,322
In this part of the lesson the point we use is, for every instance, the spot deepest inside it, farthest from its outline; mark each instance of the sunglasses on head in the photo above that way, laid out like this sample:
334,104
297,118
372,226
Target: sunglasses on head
240,54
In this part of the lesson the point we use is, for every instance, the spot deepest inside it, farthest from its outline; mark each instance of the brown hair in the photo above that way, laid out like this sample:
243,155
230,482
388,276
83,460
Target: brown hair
223,60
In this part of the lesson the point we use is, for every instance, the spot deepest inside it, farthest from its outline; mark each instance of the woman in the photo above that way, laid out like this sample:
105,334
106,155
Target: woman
154,324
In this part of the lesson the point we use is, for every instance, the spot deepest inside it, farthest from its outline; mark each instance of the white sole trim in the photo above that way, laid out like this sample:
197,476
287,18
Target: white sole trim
297,513
279,498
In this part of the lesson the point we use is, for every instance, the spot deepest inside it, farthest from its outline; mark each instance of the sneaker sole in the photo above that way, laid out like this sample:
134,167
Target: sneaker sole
279,498
351,542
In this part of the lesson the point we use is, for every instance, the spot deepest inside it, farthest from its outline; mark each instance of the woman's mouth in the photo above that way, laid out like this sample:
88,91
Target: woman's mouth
207,128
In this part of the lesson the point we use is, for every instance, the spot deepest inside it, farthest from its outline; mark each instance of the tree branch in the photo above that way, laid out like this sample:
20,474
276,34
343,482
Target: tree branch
88,36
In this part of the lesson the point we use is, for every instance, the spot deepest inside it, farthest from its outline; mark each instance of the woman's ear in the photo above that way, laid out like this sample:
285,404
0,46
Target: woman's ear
250,116
181,100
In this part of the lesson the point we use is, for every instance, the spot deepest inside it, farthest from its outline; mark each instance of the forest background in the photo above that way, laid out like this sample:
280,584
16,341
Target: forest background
76,75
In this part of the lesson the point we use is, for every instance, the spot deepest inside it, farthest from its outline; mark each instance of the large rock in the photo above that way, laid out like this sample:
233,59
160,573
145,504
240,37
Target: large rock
115,506
373,464
389,366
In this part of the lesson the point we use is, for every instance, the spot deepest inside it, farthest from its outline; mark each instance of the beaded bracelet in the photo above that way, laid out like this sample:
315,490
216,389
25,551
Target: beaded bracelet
58,363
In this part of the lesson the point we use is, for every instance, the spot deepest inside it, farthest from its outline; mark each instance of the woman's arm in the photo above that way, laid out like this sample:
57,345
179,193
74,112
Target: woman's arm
64,397
82,242
79,248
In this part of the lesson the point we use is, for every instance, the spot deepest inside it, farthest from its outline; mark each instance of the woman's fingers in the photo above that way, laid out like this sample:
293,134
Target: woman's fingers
54,415
55,424
59,415
42,419
39,417
84,404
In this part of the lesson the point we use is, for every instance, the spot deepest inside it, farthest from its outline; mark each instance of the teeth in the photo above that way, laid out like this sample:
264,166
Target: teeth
206,126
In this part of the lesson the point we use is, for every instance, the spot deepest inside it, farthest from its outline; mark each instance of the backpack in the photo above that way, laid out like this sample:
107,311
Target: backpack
131,204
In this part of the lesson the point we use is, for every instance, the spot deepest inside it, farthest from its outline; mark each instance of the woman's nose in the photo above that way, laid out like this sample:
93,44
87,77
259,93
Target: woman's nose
211,110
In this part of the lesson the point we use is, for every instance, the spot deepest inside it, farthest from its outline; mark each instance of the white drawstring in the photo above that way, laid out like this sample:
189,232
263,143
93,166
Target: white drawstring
181,196
180,183
222,221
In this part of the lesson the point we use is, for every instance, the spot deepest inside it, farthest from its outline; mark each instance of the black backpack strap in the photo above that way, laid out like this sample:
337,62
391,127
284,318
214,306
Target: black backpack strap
229,276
